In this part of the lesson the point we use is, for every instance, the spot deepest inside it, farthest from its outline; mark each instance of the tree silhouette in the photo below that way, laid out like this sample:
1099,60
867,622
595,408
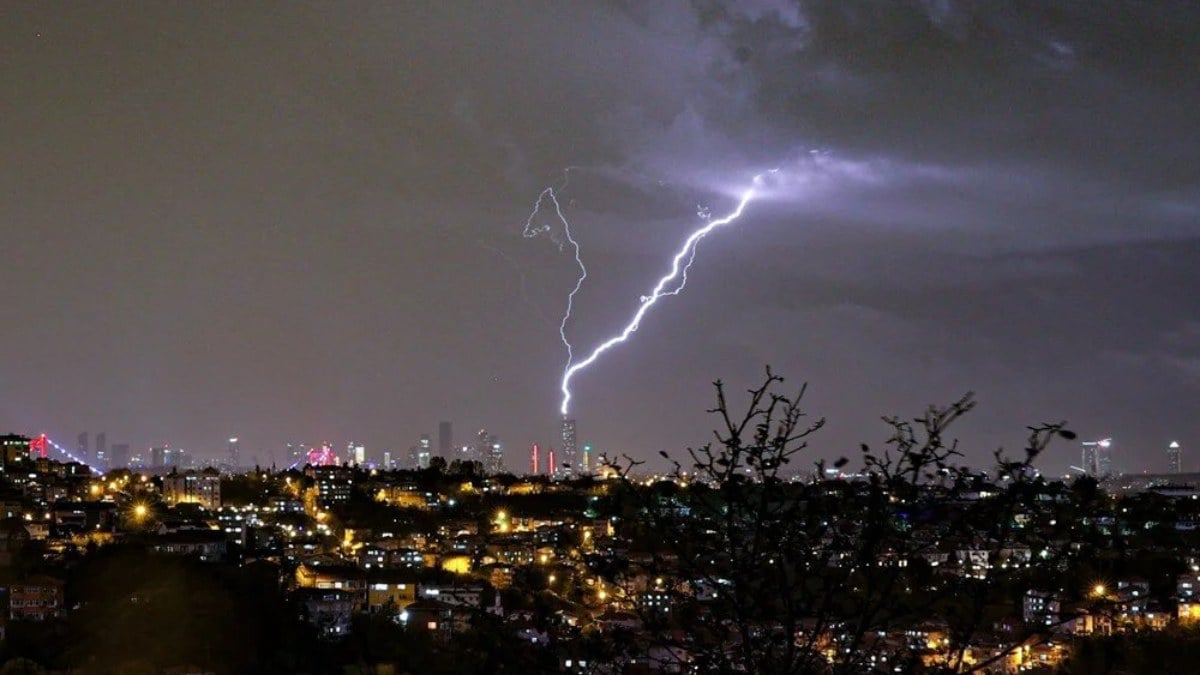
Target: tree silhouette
771,571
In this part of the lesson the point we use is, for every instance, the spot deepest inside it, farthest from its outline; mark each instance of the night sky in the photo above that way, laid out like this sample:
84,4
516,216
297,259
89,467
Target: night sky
295,222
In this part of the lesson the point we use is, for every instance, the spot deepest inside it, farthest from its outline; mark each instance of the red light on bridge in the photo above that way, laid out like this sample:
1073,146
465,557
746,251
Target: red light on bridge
37,446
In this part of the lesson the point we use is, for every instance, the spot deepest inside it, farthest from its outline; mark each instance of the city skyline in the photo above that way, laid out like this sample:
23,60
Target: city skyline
302,223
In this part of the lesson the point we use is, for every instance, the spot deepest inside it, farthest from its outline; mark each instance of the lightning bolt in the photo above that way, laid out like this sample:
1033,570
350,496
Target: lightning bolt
530,231
678,273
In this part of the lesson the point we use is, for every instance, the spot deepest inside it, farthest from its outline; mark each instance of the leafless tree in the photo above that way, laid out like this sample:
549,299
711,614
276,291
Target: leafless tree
907,563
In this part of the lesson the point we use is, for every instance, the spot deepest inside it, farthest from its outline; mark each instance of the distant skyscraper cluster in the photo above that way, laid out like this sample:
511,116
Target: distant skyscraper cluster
98,454
563,458
488,452
564,462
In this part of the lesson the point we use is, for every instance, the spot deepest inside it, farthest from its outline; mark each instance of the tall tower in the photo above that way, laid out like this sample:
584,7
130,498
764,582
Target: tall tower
1096,458
1174,458
535,456
490,452
569,447
118,457
445,440
356,453
551,468
82,446
424,452
235,452
101,447
1104,457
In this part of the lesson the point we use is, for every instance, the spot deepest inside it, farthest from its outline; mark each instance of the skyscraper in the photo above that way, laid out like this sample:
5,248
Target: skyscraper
1174,458
1096,457
235,452
1104,457
119,457
101,447
424,451
81,446
551,467
163,457
489,452
445,440
569,447
535,457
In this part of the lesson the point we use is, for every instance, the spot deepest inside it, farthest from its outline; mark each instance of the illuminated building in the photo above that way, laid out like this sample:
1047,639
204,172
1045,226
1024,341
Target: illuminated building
1174,458
38,598
1104,457
1096,457
357,453
535,456
489,452
165,456
569,447
586,463
1188,613
423,452
233,524
235,452
495,461
451,594
551,467
327,609
101,448
380,594
322,456
81,446
334,484
1040,608
387,460
193,487
656,600
15,449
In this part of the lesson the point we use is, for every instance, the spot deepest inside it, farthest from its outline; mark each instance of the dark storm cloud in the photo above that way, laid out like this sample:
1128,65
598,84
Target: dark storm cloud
303,221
